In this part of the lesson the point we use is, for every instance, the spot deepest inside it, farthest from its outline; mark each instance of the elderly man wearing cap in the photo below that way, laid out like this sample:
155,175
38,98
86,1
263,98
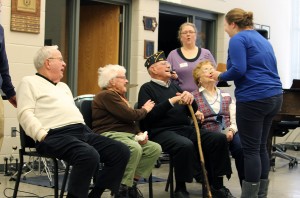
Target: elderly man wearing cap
169,124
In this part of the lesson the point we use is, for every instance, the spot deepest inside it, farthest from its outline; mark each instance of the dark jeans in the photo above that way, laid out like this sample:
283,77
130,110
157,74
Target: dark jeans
80,147
175,141
254,121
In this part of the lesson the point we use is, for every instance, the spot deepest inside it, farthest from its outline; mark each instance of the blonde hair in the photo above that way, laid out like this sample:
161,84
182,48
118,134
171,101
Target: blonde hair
197,70
240,17
186,24
108,72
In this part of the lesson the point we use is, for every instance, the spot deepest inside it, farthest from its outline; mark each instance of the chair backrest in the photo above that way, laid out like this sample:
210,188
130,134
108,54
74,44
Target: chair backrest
84,104
26,141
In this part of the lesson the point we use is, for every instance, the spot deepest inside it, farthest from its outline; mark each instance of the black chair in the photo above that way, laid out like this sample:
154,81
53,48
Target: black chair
165,157
278,150
84,104
170,180
28,149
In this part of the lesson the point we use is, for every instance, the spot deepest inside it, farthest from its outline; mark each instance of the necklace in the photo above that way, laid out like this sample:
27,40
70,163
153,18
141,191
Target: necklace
215,99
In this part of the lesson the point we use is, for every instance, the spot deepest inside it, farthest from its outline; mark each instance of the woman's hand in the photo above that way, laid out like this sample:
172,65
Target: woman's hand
199,115
143,136
148,105
229,135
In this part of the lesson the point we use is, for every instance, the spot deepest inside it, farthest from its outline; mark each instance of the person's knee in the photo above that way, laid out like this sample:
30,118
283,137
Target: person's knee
188,146
123,151
157,148
92,155
88,157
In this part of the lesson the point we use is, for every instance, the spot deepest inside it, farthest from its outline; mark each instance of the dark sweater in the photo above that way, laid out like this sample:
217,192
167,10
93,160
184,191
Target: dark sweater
5,80
163,115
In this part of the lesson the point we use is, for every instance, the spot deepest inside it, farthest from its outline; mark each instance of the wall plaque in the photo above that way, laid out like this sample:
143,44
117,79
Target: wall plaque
148,48
25,16
150,23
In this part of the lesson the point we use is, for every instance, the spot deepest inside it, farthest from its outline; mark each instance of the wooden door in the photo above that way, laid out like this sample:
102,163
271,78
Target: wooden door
98,43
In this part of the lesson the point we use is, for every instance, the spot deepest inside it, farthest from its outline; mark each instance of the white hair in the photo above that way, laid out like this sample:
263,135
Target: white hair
108,72
42,54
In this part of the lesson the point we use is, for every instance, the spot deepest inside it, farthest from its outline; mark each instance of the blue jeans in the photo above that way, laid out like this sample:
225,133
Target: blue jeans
254,121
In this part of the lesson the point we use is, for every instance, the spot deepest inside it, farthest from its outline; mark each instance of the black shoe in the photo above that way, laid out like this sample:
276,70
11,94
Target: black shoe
134,192
181,194
123,192
221,193
198,178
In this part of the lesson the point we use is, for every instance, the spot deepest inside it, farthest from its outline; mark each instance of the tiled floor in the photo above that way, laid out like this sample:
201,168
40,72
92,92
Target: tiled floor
285,183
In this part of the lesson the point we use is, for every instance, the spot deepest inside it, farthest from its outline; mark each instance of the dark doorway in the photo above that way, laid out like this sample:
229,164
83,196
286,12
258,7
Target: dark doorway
168,31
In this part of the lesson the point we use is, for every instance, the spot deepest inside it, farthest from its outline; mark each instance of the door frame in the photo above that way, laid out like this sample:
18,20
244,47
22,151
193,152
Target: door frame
73,35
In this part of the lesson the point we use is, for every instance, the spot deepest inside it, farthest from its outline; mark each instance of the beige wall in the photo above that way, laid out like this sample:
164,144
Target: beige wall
20,49
263,14
22,46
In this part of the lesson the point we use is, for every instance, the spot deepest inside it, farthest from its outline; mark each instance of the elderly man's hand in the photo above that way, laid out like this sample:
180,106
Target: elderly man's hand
174,75
186,97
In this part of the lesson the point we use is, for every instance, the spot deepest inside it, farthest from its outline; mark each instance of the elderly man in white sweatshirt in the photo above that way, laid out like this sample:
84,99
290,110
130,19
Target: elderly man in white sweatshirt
47,113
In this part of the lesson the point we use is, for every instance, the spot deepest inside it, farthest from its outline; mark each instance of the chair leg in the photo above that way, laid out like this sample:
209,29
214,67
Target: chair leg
150,186
170,180
64,182
55,177
18,174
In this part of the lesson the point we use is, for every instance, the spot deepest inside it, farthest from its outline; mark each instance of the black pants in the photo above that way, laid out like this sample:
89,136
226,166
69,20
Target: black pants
216,155
181,142
80,147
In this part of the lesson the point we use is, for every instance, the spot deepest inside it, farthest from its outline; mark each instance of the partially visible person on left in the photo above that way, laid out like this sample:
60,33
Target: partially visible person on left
5,83
47,113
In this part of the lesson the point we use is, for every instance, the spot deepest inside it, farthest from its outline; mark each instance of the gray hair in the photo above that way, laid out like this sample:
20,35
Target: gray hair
108,72
42,54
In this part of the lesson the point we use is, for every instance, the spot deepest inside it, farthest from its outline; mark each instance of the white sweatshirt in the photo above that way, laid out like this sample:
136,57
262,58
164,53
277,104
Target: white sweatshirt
43,106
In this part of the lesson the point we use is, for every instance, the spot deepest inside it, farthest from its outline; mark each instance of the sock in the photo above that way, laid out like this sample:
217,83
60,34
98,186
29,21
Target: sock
218,183
135,181
180,186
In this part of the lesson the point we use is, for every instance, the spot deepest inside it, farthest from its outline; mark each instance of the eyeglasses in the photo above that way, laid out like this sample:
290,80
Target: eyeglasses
164,63
208,70
58,58
122,77
188,32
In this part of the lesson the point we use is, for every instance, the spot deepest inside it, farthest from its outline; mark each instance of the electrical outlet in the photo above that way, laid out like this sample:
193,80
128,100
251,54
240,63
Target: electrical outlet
13,131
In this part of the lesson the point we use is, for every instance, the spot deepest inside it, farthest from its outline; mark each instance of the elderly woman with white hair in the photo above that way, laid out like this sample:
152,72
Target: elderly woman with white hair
114,118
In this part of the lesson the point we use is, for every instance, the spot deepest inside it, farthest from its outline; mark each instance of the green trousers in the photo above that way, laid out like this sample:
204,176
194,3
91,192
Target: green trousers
142,157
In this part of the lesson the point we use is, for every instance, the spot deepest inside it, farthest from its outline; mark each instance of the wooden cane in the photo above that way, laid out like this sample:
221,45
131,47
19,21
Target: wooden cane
206,182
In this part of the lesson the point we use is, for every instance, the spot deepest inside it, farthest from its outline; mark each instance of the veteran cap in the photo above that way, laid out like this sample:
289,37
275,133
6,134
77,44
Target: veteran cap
154,58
